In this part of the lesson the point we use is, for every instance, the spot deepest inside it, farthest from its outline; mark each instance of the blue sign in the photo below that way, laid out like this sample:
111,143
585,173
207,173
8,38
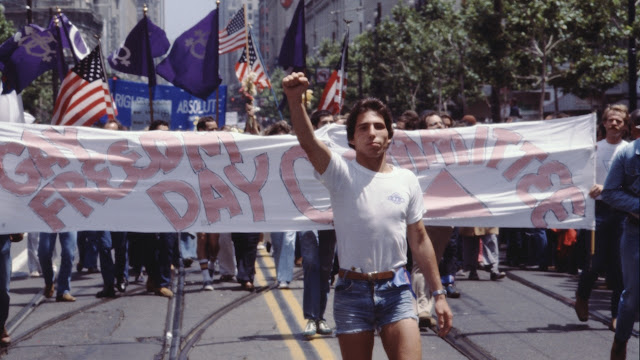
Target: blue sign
185,108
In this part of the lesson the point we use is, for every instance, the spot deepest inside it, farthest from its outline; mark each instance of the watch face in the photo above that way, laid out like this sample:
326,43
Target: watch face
286,3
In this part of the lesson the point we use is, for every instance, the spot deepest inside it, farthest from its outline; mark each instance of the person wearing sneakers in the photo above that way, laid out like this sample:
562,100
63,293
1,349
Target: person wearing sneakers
377,210
609,220
621,190
47,243
5,279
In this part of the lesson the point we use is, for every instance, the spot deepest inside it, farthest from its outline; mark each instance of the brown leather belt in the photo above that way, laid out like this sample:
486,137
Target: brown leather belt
372,276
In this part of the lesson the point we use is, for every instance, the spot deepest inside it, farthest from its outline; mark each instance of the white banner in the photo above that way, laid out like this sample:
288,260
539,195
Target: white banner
528,174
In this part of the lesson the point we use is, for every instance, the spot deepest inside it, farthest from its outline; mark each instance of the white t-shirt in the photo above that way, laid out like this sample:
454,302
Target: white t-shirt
604,156
371,211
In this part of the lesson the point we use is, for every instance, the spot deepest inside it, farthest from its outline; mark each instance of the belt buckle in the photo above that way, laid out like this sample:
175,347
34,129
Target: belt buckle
370,276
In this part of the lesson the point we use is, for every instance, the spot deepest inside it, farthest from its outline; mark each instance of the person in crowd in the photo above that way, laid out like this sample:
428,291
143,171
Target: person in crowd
431,120
87,253
609,220
5,280
226,259
32,254
283,242
318,254
378,210
68,241
471,239
468,120
622,192
447,120
410,120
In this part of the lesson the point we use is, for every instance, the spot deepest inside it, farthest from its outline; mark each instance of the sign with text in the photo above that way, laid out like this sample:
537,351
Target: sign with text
52,178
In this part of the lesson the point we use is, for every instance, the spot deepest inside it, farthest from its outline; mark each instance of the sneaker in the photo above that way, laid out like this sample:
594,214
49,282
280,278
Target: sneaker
452,292
283,285
323,328
261,246
310,329
106,293
48,291
207,286
121,284
163,291
66,297
495,275
35,273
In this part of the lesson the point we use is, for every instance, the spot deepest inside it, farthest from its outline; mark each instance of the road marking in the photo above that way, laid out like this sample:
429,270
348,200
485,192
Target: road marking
278,316
319,344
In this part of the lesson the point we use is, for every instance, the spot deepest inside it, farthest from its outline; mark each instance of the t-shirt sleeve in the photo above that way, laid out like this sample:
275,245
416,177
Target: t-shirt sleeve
416,209
335,172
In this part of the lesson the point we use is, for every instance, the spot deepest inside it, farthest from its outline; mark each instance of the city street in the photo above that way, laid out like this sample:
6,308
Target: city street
527,315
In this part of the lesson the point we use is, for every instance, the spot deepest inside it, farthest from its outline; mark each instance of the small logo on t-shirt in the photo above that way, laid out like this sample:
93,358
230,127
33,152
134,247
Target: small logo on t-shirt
396,198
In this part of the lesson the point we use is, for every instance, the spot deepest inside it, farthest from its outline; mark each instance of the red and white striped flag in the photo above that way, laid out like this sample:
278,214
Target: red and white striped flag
84,95
260,78
233,36
334,92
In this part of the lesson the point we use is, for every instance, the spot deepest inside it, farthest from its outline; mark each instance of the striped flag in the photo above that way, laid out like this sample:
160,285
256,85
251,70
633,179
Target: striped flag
260,78
334,92
84,94
233,36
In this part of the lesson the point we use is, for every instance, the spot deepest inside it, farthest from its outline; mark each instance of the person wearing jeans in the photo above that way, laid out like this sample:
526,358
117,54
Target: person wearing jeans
317,250
283,254
47,243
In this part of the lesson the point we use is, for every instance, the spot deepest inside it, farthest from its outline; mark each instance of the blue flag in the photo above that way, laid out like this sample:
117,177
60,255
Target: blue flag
293,51
26,55
145,42
192,63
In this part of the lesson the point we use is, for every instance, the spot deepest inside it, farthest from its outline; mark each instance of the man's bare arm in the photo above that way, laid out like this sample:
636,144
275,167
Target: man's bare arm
294,86
425,257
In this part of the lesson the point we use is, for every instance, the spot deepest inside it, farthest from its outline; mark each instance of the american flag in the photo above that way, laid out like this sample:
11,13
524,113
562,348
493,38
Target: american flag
233,37
261,79
334,92
84,94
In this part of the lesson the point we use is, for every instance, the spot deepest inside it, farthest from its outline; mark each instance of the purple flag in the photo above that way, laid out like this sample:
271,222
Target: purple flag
192,63
25,56
70,38
143,43
293,51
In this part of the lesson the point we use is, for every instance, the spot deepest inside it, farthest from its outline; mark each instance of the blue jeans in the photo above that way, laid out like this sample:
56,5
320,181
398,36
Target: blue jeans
606,259
47,243
87,249
102,240
188,246
361,305
629,300
5,278
317,250
284,246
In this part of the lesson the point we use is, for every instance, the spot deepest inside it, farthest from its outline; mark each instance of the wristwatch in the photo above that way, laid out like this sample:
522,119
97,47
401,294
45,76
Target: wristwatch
439,292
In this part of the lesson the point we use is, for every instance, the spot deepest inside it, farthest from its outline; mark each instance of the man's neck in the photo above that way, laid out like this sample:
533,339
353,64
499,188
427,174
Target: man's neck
374,164
613,139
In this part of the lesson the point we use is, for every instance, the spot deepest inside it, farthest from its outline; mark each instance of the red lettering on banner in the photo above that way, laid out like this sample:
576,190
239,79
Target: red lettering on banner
554,204
101,178
449,144
230,144
48,213
407,153
216,195
158,192
73,188
206,141
26,167
68,139
542,181
531,152
43,154
121,154
288,174
252,188
504,137
479,144
166,161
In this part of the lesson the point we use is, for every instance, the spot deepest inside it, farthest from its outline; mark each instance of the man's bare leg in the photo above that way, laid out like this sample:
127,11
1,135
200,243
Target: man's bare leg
358,346
401,340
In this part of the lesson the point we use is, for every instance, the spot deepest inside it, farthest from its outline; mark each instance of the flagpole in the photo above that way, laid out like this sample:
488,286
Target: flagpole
106,79
218,88
54,73
147,45
342,68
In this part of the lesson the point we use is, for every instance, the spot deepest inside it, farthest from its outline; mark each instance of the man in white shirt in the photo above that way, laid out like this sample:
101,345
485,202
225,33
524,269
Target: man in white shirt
377,209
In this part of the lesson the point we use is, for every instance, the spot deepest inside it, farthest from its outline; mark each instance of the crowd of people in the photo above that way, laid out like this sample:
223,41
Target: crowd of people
367,250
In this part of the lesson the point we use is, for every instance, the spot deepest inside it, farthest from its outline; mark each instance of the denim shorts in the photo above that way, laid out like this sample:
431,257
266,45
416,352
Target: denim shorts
361,305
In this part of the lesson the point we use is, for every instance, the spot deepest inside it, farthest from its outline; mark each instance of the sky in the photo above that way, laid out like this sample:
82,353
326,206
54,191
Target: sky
181,15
